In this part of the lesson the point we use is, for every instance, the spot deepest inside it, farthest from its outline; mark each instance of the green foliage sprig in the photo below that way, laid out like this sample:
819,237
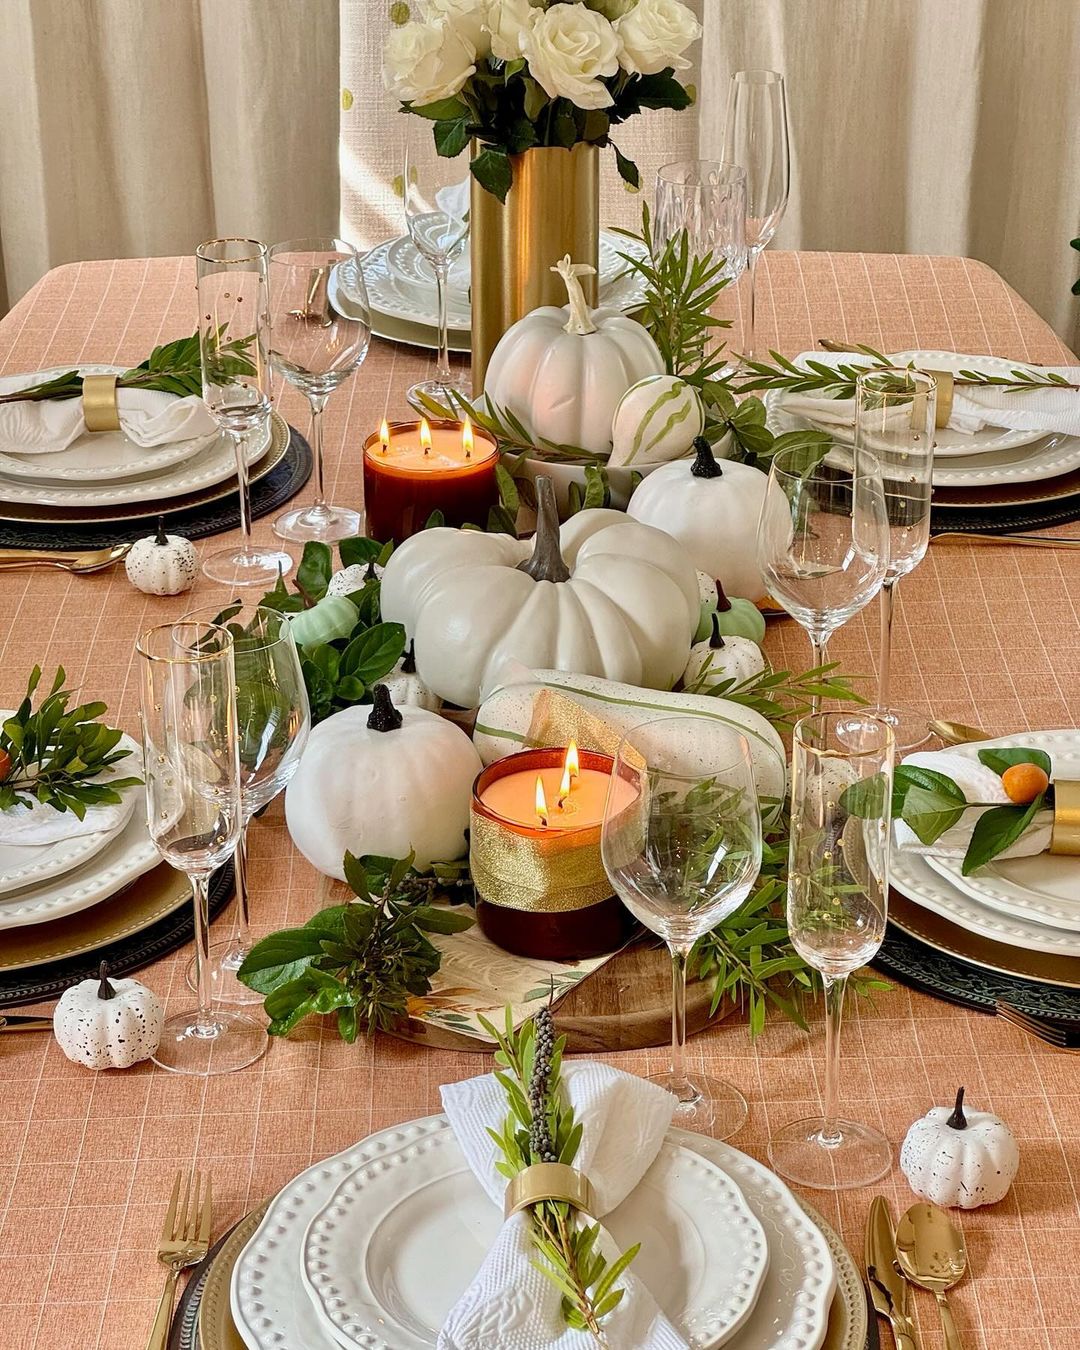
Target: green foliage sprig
52,754
780,696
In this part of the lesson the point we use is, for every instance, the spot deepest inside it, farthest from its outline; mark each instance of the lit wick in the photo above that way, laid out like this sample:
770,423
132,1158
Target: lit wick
425,435
384,437
541,802
467,438
569,774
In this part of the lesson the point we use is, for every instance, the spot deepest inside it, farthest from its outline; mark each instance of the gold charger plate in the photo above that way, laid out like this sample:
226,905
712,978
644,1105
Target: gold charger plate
89,515
1010,494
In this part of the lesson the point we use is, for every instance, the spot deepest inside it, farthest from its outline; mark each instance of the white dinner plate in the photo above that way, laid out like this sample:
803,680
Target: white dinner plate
272,1310
95,457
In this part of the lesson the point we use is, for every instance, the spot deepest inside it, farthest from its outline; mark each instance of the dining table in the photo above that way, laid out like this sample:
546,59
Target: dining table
985,635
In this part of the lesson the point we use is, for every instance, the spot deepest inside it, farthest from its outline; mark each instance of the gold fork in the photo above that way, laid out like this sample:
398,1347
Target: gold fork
185,1240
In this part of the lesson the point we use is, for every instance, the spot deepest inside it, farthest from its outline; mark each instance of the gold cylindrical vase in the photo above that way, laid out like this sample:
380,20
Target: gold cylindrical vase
552,209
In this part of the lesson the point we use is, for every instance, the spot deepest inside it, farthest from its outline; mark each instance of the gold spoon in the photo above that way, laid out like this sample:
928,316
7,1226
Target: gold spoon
956,733
930,1252
80,563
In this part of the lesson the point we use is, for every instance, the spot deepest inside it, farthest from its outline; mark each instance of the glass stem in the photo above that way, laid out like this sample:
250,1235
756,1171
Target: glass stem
834,1012
820,645
887,603
200,895
318,403
242,940
442,368
678,1024
239,440
750,330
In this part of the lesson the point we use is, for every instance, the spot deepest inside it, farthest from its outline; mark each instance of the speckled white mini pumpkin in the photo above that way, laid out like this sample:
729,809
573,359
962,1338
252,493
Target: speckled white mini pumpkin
162,564
351,579
962,1159
405,686
722,658
108,1024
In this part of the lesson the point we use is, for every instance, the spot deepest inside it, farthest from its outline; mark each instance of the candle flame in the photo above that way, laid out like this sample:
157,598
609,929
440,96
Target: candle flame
467,438
425,435
569,773
572,759
541,802
384,436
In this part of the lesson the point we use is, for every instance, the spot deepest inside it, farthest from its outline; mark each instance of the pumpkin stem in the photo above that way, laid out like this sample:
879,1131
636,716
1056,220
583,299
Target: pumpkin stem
723,604
408,661
705,465
547,562
105,989
161,537
384,716
717,639
958,1120
580,321
371,574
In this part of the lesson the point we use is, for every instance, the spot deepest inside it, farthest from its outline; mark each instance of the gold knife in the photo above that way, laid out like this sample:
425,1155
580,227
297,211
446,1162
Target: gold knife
24,1022
888,1288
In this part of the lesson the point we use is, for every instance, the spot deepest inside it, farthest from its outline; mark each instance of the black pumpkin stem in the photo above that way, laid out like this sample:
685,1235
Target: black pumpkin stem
717,639
371,574
547,562
408,661
705,465
161,538
723,604
958,1120
384,716
105,989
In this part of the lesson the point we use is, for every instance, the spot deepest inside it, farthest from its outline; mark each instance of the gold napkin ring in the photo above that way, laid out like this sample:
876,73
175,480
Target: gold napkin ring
945,381
549,1181
100,412
1066,835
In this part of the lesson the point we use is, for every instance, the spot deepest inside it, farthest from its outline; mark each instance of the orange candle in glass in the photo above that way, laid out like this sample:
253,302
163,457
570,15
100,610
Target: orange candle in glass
414,468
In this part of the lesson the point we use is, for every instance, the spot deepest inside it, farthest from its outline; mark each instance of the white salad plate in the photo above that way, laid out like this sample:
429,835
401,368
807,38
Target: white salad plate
95,457
273,1312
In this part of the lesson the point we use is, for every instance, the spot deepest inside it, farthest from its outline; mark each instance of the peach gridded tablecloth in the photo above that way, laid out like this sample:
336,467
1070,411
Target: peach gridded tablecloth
989,636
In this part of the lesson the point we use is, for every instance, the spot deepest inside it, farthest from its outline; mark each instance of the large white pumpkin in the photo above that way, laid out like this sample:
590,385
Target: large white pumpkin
712,508
562,371
608,596
383,780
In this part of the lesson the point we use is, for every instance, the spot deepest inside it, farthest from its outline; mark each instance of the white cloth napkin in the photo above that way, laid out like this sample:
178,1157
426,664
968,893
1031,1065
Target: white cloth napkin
41,824
1041,410
148,417
511,1305
978,784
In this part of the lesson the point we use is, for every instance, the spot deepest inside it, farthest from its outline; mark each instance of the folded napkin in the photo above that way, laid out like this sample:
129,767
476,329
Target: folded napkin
148,417
511,1305
973,408
41,824
978,784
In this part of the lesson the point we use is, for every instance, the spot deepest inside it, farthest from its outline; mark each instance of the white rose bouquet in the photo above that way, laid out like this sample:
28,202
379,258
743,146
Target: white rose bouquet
514,74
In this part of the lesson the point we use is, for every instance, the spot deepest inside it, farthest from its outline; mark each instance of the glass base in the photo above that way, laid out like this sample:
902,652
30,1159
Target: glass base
247,566
911,729
437,391
706,1105
324,523
226,959
856,1156
230,1041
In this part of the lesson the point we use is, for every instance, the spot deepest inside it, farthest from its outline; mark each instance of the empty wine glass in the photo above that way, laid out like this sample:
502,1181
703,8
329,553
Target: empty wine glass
683,850
231,290
436,197
823,540
707,199
837,902
756,138
273,721
192,776
320,327
895,412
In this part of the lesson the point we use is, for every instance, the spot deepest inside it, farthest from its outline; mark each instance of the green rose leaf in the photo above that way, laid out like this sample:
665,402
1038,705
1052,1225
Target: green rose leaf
628,170
996,830
451,137
491,169
442,110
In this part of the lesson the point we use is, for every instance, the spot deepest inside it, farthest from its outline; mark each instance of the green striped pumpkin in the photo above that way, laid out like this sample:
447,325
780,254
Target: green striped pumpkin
656,420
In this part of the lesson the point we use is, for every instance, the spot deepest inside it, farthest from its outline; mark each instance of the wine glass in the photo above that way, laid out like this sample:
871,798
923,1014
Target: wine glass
837,902
320,327
823,540
756,137
231,289
895,412
192,776
273,722
682,850
707,199
436,199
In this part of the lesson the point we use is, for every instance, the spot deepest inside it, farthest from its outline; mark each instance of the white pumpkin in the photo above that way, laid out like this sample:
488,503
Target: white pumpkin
383,780
162,564
722,658
405,686
108,1024
608,597
658,419
712,508
960,1158
562,371
351,579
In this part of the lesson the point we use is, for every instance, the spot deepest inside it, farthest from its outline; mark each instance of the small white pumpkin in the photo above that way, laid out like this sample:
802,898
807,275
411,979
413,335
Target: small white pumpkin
712,508
108,1024
960,1158
657,420
722,658
562,371
162,564
384,780
406,687
351,579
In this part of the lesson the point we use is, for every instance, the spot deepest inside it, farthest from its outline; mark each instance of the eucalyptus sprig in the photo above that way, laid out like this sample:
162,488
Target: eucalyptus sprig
780,696
53,754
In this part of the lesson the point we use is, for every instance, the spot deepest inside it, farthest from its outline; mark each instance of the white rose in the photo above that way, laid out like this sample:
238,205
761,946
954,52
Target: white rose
569,49
654,35
507,22
423,62
468,18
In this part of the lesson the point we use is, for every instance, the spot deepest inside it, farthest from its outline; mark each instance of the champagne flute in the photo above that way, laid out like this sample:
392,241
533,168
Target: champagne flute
437,216
683,850
756,137
895,412
837,902
273,721
823,540
192,775
231,289
320,327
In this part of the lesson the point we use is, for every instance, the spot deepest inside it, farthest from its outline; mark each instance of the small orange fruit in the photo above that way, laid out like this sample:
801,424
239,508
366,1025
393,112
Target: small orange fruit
5,764
1024,782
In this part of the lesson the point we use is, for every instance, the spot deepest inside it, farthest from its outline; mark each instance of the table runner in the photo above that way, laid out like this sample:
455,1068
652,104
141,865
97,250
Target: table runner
985,635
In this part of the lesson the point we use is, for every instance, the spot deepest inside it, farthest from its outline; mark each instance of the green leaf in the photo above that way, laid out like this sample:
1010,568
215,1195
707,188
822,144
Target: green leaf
356,875
628,170
451,137
433,920
996,830
491,169
315,570
375,653
358,551
508,493
866,798
442,110
596,125
536,100
1000,760
930,812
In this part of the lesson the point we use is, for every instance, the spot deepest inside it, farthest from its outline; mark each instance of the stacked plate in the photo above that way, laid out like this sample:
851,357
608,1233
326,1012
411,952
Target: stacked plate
369,1250
401,288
